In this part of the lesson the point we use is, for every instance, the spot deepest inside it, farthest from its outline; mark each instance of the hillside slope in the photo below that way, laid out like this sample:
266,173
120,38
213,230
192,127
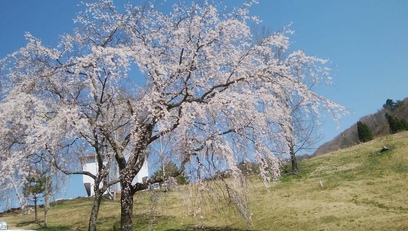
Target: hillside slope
359,188
376,122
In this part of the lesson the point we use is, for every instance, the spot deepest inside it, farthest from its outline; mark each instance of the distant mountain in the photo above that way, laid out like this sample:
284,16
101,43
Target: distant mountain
377,123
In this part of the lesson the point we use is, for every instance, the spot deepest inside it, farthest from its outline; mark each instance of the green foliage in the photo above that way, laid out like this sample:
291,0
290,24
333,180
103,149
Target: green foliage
404,124
392,123
391,105
171,169
364,132
395,124
36,183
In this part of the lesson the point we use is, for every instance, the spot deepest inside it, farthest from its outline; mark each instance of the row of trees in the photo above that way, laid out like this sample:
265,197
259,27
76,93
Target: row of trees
390,119
208,94
394,115
395,124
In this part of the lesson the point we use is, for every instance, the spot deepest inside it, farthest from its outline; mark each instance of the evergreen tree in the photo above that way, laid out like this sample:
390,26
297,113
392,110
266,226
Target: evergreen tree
404,124
394,124
35,187
364,132
170,169
389,104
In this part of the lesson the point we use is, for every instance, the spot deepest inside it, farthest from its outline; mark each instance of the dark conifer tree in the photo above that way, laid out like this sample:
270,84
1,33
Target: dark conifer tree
364,132
404,124
394,124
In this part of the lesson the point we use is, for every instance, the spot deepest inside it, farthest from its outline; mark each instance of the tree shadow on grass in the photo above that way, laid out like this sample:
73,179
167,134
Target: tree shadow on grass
55,228
25,223
78,226
41,228
209,228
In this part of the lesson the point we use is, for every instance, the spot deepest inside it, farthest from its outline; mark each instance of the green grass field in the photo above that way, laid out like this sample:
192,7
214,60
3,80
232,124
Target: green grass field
359,188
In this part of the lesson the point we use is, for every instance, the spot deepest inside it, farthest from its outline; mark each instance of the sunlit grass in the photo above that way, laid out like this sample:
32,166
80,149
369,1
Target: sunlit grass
359,188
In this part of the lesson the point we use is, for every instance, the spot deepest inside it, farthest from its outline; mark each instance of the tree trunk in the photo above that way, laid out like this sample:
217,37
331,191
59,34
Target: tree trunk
35,209
126,200
47,196
293,160
46,207
95,211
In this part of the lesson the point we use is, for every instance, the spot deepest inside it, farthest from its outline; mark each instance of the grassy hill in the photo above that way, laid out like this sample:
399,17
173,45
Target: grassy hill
359,188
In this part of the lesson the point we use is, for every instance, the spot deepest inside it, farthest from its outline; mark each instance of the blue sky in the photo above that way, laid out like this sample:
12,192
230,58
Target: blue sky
366,42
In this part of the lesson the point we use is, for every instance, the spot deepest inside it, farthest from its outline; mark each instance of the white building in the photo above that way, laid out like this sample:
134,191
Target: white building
90,164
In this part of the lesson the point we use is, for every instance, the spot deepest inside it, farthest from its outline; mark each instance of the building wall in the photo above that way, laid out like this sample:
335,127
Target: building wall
91,166
142,173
